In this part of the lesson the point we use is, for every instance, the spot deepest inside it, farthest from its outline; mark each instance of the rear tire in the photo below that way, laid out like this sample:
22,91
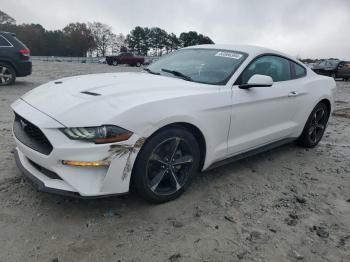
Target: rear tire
314,127
7,74
138,64
166,165
115,63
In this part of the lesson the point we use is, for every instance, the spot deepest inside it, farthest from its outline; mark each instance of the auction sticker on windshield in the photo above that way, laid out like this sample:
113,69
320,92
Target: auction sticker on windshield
231,55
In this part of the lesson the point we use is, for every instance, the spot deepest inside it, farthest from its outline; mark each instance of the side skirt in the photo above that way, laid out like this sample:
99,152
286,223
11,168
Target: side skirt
252,152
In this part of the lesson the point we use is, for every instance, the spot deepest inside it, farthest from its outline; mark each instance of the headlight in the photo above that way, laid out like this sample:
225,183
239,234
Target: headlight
99,134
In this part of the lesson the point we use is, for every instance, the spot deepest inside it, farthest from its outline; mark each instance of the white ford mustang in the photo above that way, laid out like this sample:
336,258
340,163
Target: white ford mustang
193,109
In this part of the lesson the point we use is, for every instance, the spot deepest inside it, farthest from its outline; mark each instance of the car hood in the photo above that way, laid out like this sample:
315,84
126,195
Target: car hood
93,99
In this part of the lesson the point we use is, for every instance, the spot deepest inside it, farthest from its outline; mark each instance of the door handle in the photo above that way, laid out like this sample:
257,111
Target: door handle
293,94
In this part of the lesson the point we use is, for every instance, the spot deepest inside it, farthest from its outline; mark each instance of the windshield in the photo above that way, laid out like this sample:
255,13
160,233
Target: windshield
209,66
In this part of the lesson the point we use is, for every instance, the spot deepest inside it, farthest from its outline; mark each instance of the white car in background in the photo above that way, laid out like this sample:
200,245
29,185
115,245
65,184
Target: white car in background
193,109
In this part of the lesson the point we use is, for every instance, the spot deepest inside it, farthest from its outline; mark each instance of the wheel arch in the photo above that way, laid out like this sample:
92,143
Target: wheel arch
324,100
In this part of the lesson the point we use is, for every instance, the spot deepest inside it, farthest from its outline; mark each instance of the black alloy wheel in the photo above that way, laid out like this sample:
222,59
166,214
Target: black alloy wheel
7,75
169,166
315,126
318,125
166,164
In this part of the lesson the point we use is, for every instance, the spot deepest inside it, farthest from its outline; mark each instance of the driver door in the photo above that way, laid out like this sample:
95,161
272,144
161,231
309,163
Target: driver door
262,115
122,58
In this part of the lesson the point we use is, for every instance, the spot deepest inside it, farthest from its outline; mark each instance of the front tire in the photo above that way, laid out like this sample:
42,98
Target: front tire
315,126
115,63
138,64
166,165
7,75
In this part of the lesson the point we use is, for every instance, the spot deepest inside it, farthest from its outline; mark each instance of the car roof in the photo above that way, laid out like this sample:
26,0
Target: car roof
7,33
251,50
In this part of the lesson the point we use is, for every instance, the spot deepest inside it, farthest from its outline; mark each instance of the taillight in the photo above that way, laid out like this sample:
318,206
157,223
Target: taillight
24,52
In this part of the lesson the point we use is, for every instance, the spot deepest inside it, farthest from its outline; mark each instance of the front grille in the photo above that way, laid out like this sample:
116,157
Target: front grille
31,135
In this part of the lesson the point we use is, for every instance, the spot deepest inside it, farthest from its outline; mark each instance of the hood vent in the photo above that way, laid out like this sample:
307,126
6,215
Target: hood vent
90,93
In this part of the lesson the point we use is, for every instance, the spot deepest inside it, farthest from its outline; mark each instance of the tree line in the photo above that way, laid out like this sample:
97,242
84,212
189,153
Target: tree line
98,39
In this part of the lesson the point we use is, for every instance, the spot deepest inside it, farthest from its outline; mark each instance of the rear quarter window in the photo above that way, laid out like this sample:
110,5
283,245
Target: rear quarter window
20,42
4,42
299,71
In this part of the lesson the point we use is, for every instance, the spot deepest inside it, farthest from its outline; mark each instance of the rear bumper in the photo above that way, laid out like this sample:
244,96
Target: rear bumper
23,68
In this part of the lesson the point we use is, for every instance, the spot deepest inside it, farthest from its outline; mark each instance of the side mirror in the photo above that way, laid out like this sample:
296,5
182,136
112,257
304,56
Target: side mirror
258,81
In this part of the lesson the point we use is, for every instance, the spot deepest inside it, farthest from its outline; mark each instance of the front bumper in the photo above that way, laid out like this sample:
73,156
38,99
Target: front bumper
58,188
50,175
37,181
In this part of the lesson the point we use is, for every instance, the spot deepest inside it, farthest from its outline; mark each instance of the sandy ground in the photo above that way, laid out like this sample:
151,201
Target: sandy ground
289,204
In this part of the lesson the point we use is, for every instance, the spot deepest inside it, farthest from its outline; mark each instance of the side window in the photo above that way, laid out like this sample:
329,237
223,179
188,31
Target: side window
4,42
323,63
299,71
276,67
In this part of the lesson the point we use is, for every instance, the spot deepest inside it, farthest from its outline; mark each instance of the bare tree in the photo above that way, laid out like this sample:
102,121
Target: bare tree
103,37
6,19
119,42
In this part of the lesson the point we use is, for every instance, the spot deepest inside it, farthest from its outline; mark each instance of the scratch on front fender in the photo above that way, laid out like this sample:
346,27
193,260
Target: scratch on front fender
122,150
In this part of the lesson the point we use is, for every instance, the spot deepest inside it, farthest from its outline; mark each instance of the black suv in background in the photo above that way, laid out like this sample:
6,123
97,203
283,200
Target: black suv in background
14,59
333,68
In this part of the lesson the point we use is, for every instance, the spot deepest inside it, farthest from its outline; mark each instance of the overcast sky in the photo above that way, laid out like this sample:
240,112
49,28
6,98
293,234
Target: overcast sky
308,28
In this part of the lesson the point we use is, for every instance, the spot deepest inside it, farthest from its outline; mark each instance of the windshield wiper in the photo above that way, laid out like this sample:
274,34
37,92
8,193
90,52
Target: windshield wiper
177,73
150,71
